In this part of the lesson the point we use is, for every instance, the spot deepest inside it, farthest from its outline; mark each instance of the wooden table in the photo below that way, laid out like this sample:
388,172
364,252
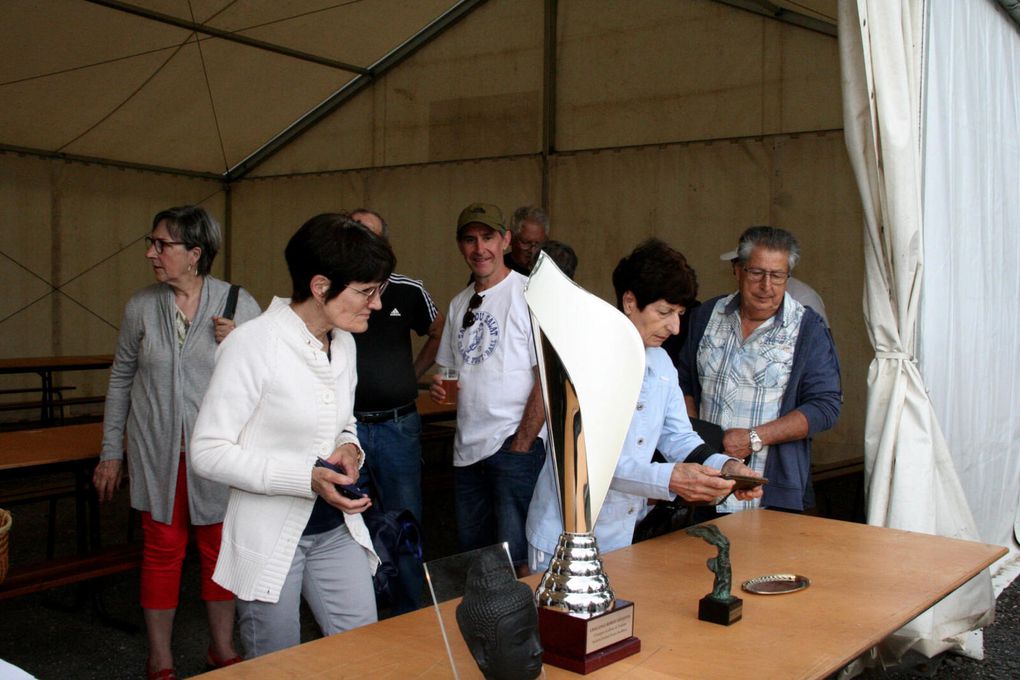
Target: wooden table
431,412
866,583
53,450
50,445
45,367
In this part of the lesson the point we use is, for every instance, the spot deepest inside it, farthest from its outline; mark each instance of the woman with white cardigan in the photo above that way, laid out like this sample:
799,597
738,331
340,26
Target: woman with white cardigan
282,397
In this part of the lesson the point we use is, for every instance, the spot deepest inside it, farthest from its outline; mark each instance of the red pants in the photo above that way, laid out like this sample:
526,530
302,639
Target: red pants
163,551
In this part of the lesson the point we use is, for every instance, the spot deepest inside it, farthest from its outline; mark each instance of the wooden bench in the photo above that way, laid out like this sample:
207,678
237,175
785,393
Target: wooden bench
842,468
39,490
37,390
28,579
31,404
839,490
54,404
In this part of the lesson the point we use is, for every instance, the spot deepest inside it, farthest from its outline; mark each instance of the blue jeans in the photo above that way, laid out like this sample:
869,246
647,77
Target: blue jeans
491,499
393,458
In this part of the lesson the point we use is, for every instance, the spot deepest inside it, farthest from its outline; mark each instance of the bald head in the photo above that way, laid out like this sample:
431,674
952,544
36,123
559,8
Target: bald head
371,220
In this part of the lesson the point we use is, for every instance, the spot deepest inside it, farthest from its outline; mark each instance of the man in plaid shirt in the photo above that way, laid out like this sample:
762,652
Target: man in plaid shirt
764,368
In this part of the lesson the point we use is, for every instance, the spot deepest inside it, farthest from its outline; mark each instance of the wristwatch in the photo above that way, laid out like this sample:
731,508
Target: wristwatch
756,442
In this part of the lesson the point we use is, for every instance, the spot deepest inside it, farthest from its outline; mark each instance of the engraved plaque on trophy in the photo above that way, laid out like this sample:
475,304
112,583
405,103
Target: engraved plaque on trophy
591,363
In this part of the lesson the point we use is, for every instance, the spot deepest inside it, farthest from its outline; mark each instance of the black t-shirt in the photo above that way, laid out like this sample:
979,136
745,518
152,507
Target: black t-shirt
386,376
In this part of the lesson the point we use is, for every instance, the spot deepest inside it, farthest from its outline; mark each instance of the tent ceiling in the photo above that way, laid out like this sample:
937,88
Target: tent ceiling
87,80
132,83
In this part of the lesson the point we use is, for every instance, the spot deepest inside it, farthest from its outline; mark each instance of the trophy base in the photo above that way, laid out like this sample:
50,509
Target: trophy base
583,645
723,613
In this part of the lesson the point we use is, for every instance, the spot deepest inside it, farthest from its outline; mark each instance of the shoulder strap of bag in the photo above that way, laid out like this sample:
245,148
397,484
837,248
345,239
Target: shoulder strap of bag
228,310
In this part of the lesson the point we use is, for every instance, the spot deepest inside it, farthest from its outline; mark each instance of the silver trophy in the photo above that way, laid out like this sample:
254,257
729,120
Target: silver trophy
591,361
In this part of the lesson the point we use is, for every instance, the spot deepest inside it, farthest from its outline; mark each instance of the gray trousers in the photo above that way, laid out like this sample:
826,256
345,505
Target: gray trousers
332,572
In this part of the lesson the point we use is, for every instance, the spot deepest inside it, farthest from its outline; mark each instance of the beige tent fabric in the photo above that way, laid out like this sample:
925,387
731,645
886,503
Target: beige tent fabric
78,228
699,198
88,80
640,73
420,203
628,73
910,478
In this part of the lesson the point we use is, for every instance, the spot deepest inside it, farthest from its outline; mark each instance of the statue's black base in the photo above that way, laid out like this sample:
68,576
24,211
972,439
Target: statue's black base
585,645
718,611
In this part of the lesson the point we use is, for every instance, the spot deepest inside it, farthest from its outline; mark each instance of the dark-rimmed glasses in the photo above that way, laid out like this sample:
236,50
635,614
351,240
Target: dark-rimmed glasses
756,275
160,243
469,316
369,293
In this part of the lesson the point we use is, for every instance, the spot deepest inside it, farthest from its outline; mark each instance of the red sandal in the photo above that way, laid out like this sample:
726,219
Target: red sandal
213,662
161,674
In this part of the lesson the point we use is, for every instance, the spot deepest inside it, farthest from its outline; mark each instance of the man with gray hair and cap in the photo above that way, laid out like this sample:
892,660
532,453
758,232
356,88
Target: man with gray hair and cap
498,451
763,367
798,290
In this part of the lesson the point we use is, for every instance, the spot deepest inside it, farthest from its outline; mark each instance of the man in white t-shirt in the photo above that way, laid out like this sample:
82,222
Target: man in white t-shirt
498,451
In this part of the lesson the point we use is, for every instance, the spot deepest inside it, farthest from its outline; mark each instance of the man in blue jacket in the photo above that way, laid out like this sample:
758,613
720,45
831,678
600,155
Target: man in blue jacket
763,367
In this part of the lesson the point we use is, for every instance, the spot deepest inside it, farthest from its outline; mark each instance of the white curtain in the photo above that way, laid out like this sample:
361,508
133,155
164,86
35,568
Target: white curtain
972,249
909,474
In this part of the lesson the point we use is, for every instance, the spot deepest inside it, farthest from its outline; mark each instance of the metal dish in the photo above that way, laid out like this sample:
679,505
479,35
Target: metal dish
776,584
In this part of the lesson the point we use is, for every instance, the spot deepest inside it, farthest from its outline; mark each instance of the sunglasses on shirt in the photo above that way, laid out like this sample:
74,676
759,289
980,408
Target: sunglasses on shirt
469,316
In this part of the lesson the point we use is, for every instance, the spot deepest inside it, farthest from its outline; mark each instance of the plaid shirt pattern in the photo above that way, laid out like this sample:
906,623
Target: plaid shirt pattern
743,381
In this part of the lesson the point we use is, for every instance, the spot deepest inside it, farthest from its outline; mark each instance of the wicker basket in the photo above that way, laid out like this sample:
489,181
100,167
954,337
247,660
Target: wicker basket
5,529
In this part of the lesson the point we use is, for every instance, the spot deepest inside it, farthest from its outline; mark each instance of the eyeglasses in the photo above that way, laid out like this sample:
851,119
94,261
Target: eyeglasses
160,243
757,275
374,291
469,316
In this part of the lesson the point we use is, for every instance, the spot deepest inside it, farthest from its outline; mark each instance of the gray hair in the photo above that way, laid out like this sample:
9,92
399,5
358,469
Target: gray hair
529,213
770,238
196,228
382,220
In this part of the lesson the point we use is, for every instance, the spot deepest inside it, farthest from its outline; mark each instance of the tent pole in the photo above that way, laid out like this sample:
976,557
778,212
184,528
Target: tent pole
353,87
548,96
230,36
228,229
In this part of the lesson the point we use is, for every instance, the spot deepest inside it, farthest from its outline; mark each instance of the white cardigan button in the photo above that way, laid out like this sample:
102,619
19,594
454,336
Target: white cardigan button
328,396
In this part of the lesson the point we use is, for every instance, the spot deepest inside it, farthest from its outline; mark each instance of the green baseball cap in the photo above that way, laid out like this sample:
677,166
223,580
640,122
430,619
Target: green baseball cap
482,213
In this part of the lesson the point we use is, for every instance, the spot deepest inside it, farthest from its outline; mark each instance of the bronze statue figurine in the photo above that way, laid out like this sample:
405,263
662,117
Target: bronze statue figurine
720,606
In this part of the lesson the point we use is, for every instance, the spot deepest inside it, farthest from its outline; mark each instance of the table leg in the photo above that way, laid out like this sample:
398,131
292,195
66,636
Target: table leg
81,491
46,409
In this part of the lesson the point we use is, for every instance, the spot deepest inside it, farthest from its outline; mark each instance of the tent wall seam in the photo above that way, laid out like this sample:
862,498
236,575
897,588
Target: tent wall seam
553,154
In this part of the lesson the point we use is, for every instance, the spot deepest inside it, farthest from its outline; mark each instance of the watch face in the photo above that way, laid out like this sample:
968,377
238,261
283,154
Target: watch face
756,443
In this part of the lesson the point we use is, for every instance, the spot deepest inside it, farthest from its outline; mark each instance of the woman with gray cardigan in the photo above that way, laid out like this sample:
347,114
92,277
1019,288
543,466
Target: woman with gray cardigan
165,357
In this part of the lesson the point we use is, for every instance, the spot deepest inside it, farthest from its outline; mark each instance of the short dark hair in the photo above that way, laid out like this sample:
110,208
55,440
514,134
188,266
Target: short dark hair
335,246
770,238
193,226
655,271
562,254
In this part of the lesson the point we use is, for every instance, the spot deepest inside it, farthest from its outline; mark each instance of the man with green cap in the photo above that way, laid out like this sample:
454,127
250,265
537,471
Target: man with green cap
498,450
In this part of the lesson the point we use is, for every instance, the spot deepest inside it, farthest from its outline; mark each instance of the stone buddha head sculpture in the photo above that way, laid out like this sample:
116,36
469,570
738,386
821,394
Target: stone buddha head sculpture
498,620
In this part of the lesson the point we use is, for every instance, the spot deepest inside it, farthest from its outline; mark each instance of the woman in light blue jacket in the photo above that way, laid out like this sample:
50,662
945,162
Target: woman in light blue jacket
654,285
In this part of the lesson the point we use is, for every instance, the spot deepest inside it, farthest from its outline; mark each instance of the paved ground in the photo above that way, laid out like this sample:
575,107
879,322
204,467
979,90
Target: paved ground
58,635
